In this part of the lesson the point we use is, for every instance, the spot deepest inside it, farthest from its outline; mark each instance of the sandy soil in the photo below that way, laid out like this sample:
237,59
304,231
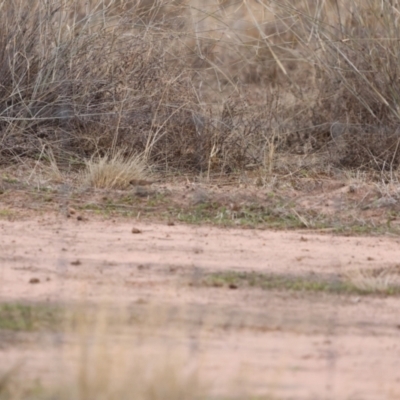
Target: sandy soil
283,344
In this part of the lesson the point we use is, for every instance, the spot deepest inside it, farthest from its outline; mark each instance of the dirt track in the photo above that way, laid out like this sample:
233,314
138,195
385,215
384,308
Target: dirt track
289,345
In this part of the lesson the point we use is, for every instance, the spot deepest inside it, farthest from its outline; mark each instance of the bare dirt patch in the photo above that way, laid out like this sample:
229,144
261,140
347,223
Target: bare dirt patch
277,342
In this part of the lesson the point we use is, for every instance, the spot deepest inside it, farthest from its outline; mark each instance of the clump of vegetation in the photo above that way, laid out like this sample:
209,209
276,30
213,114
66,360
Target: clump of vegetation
381,280
354,112
114,171
84,81
219,87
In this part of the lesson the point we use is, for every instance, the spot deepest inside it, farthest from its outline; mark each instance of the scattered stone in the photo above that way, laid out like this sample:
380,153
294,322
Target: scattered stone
170,223
233,286
34,281
76,262
352,189
136,230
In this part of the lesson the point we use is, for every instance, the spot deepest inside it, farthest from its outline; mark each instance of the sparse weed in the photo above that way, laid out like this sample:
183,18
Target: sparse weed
386,281
361,283
5,213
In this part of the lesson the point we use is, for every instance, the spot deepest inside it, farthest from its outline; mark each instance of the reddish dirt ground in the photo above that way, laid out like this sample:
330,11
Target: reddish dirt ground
287,345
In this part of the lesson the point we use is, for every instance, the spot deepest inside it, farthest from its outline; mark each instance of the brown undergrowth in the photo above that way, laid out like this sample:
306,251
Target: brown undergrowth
202,86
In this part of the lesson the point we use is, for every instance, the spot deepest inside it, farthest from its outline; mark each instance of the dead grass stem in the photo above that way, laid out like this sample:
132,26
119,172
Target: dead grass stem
203,86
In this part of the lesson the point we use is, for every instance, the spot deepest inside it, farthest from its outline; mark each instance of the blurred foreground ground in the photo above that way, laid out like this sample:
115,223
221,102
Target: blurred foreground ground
245,341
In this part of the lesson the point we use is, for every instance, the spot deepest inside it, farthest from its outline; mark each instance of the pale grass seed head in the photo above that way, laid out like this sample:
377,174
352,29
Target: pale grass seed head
375,281
114,171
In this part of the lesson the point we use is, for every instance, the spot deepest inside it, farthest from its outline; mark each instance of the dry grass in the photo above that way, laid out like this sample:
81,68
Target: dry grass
356,52
88,82
203,85
375,281
114,171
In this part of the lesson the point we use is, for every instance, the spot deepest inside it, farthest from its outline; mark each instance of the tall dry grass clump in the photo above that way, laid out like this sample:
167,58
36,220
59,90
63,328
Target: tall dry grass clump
85,79
163,79
354,47
114,172
202,85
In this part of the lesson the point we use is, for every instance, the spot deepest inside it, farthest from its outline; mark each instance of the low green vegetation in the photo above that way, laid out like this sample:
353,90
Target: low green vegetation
303,283
278,211
29,317
4,213
250,216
